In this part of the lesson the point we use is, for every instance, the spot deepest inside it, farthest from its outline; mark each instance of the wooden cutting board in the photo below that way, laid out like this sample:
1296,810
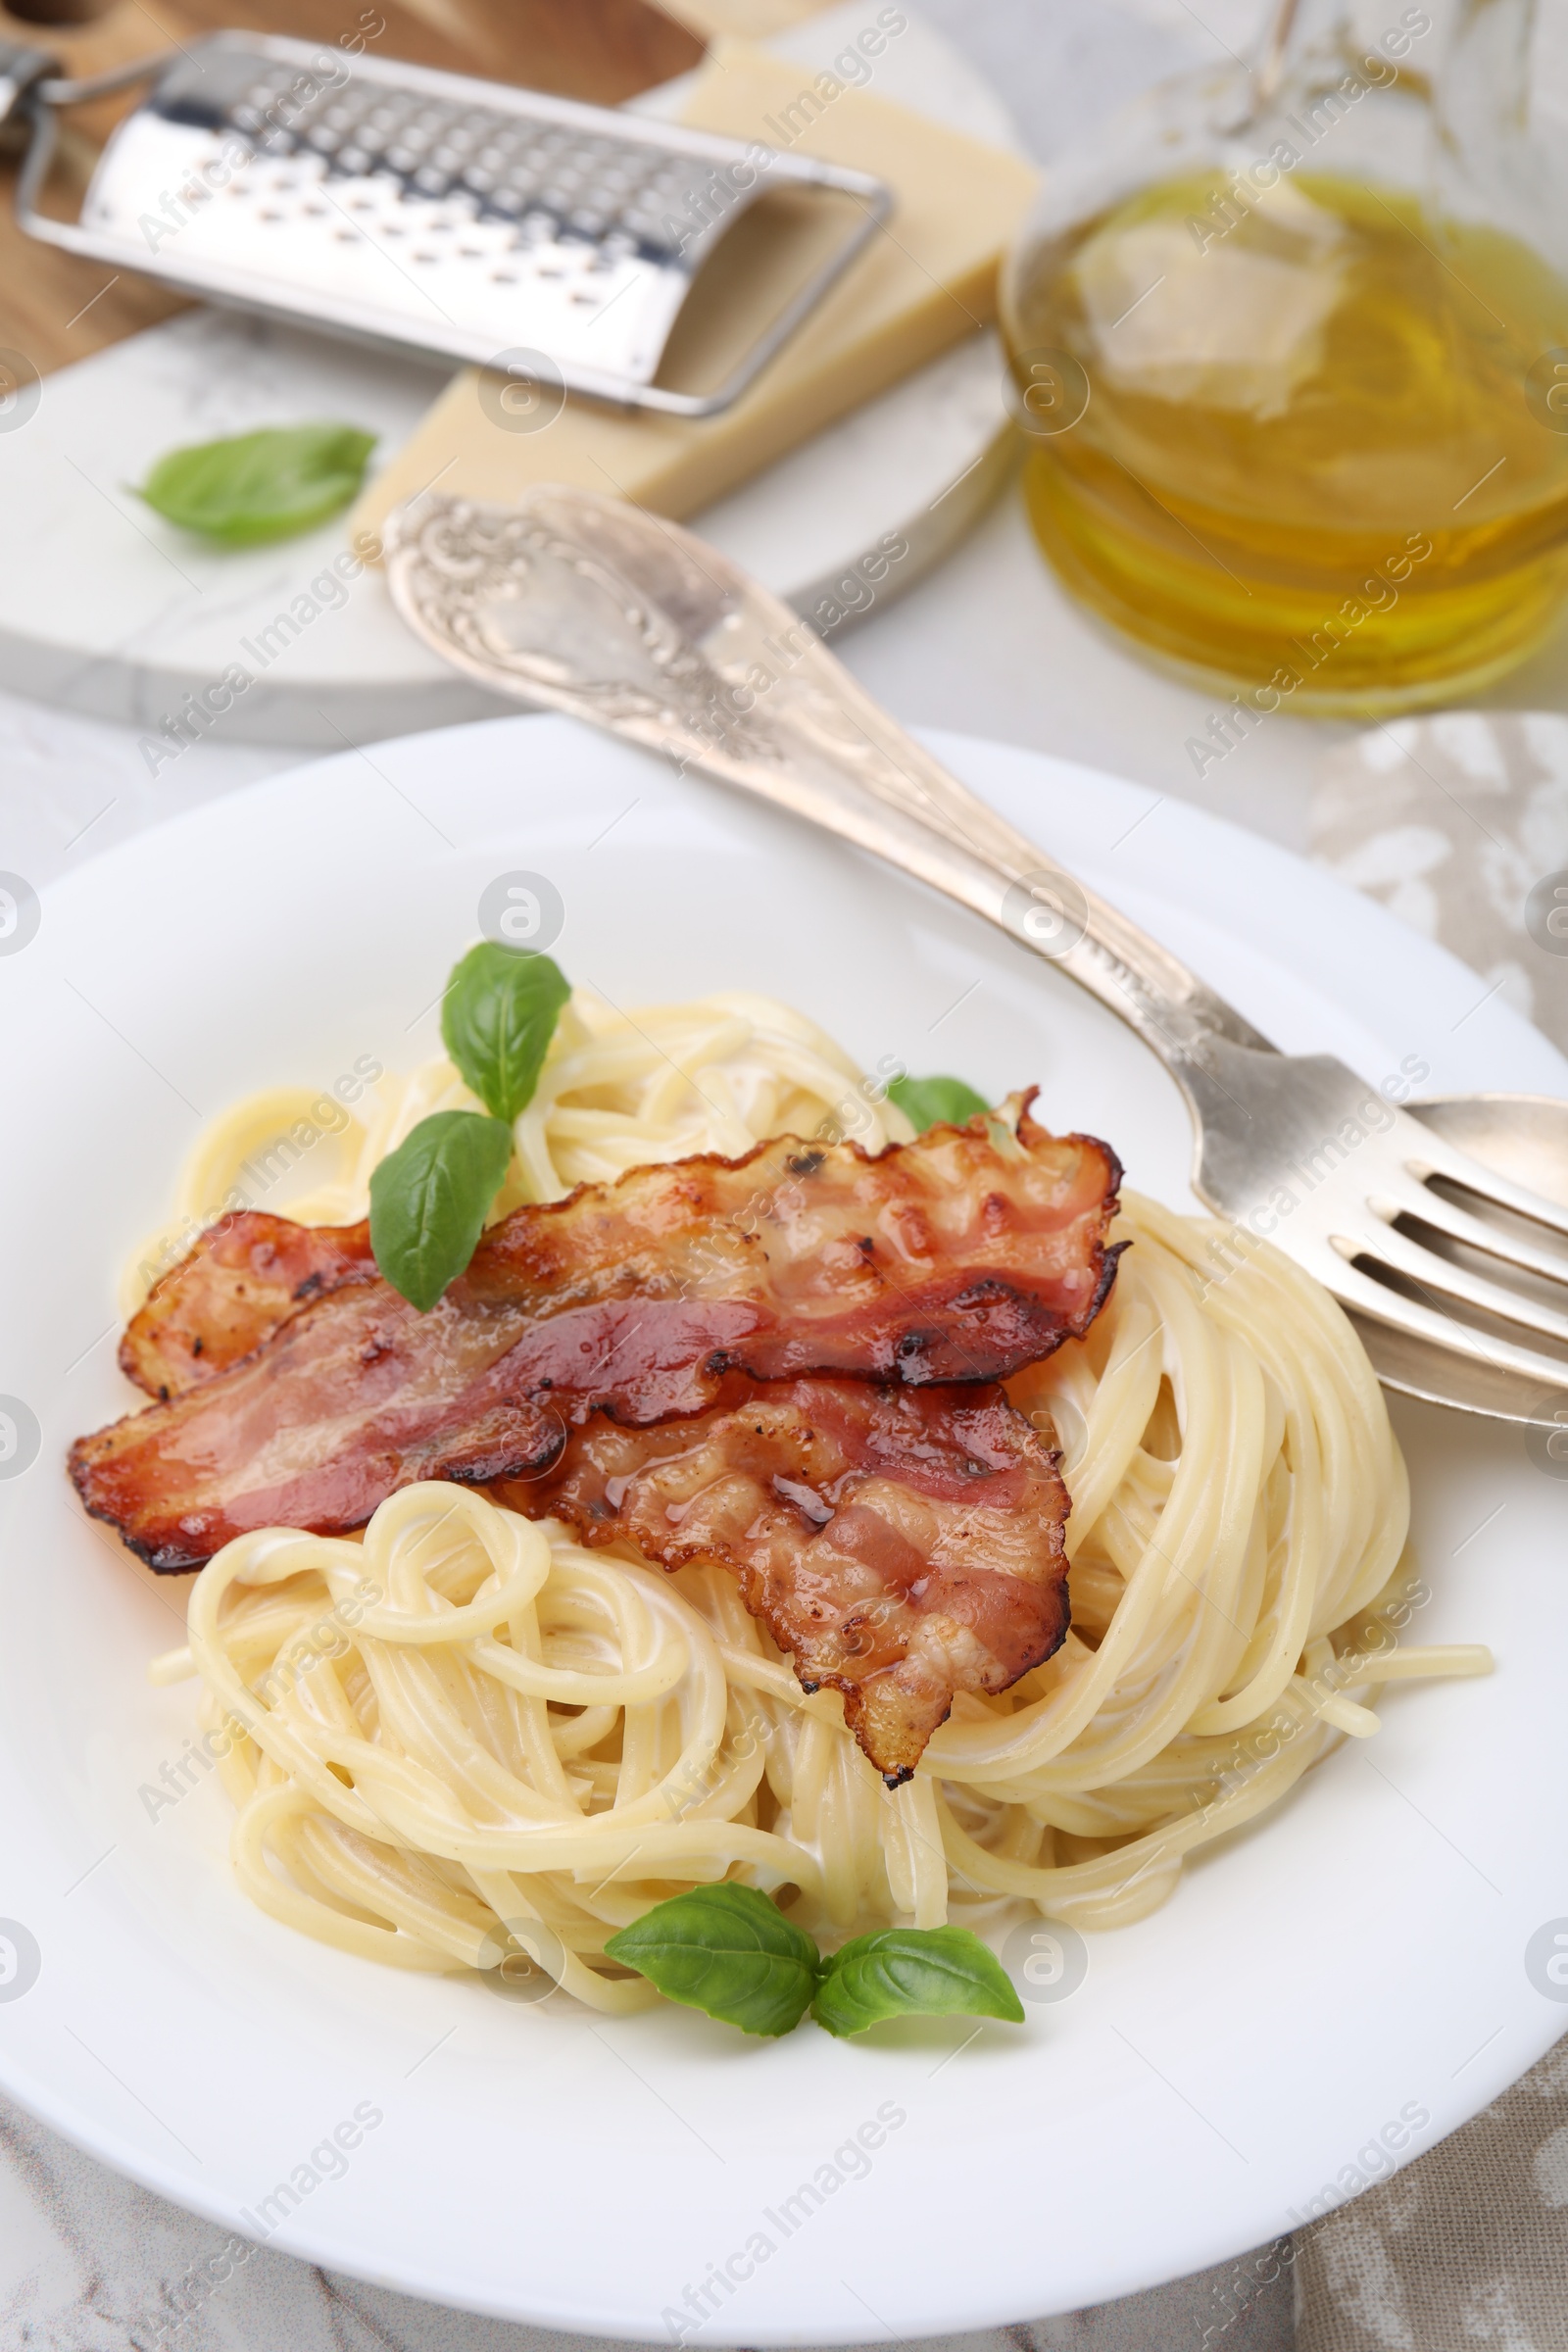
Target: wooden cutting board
56,308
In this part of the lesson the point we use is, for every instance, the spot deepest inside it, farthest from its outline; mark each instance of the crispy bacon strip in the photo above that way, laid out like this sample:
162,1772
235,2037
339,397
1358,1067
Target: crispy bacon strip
247,1274
903,1544
961,1257
1009,1251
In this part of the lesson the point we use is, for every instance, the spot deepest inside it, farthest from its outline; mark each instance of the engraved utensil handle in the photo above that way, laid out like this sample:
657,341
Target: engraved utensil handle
590,606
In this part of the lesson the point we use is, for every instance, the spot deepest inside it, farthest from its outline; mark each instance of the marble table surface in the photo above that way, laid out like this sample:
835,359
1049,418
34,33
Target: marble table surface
92,2263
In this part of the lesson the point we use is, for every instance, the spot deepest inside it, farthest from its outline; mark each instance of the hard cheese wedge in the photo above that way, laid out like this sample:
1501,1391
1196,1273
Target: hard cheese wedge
740,19
921,284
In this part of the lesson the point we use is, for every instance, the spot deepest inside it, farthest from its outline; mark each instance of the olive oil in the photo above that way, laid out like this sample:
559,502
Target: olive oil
1313,441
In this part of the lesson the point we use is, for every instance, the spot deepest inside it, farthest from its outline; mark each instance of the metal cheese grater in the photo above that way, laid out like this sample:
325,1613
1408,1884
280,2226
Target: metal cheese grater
409,207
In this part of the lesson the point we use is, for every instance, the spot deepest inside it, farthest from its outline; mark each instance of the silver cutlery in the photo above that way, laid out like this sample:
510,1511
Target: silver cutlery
1443,1227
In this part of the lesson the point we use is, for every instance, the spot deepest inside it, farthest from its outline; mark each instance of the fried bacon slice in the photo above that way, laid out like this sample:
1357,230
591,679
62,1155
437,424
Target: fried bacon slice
901,1544
1006,1249
247,1274
960,1256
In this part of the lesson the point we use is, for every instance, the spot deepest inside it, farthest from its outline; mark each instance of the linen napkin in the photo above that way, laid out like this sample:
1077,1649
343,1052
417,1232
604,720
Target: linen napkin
1458,825
1468,2245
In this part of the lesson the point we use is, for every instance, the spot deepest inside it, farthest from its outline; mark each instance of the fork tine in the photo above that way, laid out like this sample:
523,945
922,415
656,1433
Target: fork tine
1434,1273
1444,1216
1426,1154
1419,1322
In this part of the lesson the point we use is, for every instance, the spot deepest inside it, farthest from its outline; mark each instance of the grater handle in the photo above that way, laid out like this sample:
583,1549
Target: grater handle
22,69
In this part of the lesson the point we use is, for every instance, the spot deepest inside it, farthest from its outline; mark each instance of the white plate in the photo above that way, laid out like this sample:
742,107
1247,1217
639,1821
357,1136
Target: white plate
1359,1958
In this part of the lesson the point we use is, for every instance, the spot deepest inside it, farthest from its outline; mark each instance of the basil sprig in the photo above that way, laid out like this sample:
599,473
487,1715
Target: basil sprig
428,1201
429,1197
259,486
725,1951
912,1971
731,1953
935,1102
497,1019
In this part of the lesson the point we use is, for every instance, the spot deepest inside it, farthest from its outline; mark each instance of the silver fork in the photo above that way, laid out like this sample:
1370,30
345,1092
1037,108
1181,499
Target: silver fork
584,605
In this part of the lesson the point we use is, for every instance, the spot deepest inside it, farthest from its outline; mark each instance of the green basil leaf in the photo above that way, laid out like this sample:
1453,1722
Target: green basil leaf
933,1101
912,1971
428,1201
728,1952
498,1017
259,486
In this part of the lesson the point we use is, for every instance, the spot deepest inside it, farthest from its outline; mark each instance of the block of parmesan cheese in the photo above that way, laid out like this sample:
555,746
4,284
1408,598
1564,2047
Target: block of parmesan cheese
924,283
740,19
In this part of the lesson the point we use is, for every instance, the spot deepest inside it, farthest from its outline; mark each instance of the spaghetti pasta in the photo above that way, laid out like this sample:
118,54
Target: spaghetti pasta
464,1736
